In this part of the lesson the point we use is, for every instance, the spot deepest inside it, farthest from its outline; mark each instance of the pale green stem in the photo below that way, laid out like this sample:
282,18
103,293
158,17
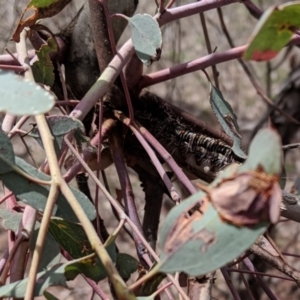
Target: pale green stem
96,244
38,250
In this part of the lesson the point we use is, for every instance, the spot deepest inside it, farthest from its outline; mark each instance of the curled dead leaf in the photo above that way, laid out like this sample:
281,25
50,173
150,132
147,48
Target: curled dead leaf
39,11
247,198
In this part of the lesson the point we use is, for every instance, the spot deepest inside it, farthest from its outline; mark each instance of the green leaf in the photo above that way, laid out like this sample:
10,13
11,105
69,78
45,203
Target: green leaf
51,251
59,126
57,275
21,97
49,296
91,267
72,238
6,152
273,31
146,38
36,195
265,151
46,3
43,68
126,265
203,244
151,285
11,219
54,276
227,119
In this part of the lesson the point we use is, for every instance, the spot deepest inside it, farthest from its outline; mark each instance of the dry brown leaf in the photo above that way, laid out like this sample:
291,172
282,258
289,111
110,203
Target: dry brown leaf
38,13
247,198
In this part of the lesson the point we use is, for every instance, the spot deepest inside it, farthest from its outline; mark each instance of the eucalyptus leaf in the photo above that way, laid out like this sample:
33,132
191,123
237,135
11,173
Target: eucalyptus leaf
6,148
53,276
39,9
273,31
43,69
227,119
126,265
59,127
11,219
22,97
204,244
51,251
146,38
56,275
49,296
72,238
36,195
7,155
265,151
150,286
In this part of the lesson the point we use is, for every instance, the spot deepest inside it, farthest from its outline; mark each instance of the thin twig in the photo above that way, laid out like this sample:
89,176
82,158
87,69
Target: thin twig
118,156
168,159
208,47
247,262
19,69
271,241
260,273
291,146
18,125
253,9
114,51
38,249
276,262
173,192
13,56
23,236
227,278
248,289
87,153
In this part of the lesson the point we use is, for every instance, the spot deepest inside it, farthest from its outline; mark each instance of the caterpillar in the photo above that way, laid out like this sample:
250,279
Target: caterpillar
190,145
203,152
212,154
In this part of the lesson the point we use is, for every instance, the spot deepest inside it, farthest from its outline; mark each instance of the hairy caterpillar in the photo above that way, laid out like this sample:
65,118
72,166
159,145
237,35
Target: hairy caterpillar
191,145
202,151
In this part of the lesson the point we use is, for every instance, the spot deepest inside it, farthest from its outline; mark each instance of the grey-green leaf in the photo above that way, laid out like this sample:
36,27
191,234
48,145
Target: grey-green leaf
204,244
59,126
36,195
11,219
227,119
54,276
21,97
146,38
265,151
6,153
